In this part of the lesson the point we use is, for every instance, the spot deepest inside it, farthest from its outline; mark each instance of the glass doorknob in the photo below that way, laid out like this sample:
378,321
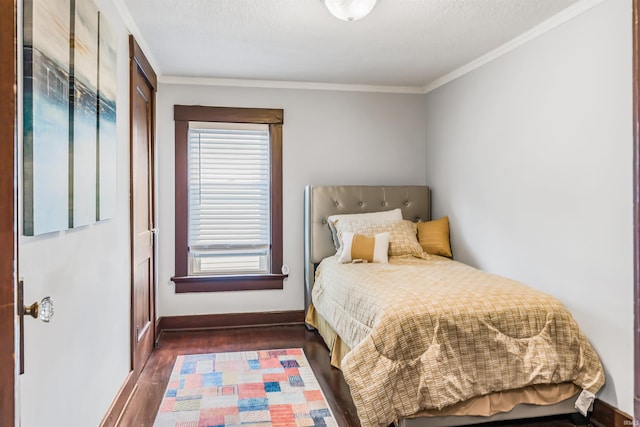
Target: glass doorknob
43,311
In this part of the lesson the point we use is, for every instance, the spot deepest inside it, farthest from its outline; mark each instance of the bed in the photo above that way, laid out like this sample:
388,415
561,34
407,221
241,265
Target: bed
428,341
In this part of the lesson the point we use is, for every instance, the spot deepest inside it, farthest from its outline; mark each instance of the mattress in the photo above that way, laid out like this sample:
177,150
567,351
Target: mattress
426,335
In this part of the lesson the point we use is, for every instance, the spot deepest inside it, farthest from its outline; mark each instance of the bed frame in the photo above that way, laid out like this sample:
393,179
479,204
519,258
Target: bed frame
320,202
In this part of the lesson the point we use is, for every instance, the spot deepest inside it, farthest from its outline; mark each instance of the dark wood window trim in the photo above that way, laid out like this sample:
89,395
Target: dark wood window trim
183,114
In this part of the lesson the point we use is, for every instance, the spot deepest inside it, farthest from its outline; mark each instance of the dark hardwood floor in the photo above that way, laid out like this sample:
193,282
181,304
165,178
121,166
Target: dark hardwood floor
146,400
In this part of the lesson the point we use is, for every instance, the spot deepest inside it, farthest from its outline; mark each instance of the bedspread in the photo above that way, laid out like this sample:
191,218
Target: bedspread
426,334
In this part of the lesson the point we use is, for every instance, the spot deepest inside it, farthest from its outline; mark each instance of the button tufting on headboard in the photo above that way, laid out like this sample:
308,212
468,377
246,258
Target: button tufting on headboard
324,201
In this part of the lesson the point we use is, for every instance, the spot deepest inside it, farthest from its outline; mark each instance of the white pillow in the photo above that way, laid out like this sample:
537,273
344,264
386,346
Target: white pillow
392,215
365,248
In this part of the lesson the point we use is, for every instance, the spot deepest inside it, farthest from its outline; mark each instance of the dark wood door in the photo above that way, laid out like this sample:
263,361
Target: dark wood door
7,210
142,213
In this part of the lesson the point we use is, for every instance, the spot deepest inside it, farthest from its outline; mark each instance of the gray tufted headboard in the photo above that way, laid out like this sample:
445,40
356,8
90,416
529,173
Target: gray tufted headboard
320,202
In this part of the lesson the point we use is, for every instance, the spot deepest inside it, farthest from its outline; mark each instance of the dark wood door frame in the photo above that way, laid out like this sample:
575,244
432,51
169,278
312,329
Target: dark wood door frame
8,249
137,63
636,202
139,67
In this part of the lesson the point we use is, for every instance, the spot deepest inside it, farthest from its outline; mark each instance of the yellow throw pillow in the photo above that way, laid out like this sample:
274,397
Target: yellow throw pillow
365,248
434,237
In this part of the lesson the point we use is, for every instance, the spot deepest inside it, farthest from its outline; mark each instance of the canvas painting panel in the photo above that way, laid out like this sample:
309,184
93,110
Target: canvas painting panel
106,120
46,116
85,101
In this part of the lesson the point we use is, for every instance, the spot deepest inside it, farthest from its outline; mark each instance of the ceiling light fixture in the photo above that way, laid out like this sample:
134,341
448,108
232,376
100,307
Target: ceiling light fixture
350,10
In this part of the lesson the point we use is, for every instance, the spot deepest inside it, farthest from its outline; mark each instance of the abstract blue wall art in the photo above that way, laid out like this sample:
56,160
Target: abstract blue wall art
85,114
69,147
46,116
107,86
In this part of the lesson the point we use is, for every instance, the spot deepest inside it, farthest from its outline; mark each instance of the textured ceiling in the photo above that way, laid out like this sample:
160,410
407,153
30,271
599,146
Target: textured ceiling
401,43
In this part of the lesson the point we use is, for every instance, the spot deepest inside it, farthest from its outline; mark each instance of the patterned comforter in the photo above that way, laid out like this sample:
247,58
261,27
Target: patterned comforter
426,334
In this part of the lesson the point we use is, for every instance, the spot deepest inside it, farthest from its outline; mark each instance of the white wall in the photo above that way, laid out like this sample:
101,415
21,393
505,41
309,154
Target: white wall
328,138
76,364
531,158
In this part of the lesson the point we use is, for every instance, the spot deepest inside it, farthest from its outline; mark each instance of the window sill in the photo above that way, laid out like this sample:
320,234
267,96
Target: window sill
186,284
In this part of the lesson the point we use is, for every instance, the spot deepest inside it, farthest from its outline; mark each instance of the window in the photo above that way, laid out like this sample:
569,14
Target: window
229,203
228,189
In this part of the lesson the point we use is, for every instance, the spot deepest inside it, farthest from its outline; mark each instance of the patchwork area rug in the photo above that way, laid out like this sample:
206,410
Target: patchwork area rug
251,388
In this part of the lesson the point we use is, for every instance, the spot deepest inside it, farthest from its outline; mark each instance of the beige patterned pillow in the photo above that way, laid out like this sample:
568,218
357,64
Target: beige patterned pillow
403,238
392,215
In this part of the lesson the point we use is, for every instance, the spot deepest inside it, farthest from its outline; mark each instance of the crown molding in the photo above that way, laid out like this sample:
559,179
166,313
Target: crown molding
131,25
278,84
546,26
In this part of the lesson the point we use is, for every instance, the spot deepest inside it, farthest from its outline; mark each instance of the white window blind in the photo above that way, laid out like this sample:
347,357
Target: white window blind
229,198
